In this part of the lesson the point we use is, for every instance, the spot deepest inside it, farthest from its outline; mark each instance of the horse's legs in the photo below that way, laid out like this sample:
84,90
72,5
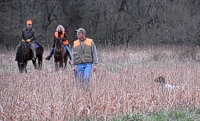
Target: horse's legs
65,61
25,66
65,64
40,62
20,67
61,63
34,64
56,66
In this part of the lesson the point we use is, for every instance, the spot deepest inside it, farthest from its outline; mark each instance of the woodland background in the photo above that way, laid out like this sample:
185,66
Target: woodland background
137,41
108,22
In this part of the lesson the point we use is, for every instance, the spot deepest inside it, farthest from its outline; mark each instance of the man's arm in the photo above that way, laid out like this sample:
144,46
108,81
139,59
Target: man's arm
94,54
22,35
72,54
34,35
72,61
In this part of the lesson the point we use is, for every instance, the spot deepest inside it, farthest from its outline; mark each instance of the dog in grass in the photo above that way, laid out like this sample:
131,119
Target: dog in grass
165,85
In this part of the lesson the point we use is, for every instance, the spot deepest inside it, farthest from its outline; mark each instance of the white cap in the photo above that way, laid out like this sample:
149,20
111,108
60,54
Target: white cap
81,30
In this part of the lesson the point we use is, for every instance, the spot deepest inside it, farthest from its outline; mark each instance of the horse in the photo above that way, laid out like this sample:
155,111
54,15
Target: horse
60,54
24,54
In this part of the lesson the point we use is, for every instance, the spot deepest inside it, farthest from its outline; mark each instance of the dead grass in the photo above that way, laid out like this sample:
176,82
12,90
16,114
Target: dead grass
123,84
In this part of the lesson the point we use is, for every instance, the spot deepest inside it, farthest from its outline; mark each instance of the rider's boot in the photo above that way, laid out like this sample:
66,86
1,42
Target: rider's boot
34,51
50,54
34,55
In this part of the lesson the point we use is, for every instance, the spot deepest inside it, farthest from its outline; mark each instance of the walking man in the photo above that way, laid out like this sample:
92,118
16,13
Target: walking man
84,54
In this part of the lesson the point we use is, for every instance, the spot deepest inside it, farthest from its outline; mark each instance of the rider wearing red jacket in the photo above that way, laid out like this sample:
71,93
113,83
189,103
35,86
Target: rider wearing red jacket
60,33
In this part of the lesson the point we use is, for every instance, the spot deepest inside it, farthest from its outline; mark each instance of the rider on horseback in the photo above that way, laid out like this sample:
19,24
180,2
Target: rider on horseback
60,33
28,35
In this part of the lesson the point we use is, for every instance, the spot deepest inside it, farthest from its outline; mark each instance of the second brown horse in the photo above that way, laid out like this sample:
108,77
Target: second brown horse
60,55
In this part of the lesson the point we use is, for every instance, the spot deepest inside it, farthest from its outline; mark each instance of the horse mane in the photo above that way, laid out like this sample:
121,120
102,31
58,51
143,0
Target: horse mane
58,43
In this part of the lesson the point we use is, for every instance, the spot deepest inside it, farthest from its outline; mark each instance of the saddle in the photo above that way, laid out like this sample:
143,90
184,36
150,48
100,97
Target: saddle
29,47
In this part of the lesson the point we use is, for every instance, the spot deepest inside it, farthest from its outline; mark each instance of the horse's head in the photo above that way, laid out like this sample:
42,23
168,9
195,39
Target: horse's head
23,54
58,43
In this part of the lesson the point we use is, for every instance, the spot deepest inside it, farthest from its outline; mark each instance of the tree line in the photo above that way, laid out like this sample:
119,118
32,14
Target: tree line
108,22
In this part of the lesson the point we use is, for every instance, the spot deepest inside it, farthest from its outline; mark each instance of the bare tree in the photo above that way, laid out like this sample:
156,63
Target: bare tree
113,22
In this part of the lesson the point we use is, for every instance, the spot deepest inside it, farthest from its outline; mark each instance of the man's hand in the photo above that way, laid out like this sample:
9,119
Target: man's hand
94,68
23,40
74,68
28,40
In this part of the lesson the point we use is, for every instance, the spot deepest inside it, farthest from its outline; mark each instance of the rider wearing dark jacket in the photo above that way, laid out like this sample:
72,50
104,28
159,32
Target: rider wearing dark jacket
28,35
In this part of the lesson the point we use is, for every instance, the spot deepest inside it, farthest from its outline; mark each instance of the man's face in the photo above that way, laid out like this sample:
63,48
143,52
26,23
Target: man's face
80,36
29,26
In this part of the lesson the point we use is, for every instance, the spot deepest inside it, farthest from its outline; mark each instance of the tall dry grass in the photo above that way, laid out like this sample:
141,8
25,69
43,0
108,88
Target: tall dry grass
122,84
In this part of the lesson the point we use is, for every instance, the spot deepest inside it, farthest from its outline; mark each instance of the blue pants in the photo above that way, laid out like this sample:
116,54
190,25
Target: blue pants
83,73
66,47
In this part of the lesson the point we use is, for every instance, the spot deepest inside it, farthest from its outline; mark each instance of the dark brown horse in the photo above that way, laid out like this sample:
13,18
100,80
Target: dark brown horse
24,54
60,55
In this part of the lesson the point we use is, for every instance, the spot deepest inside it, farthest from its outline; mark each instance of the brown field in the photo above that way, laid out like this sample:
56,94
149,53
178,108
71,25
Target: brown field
122,84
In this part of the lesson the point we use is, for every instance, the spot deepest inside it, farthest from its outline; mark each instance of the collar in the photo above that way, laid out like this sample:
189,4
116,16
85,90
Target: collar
28,29
82,40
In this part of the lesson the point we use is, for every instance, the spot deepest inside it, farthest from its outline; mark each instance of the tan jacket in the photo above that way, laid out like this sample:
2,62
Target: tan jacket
84,52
